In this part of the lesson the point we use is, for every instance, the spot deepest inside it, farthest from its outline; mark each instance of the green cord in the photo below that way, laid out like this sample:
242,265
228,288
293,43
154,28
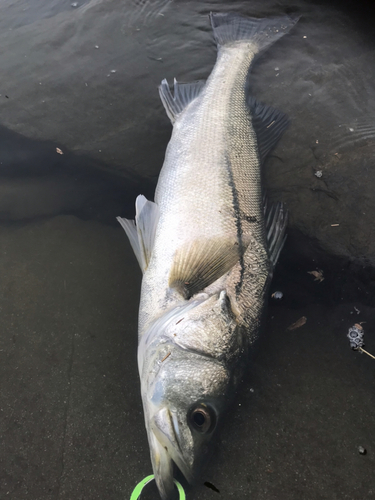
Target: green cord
138,489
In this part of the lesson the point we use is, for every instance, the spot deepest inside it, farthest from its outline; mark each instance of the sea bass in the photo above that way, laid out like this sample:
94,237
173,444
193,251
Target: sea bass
207,248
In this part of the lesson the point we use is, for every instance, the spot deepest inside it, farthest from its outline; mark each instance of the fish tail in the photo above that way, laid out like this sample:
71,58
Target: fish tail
231,27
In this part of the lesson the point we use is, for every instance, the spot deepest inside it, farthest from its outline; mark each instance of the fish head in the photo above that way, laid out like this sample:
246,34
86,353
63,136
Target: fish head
187,382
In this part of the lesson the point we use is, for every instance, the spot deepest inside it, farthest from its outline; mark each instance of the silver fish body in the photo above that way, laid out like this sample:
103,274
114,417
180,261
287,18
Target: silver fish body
206,249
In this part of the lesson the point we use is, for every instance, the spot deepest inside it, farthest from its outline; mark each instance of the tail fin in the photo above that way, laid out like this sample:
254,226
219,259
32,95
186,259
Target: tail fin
230,28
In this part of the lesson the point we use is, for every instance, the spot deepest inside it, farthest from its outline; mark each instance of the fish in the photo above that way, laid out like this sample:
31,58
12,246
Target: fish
207,247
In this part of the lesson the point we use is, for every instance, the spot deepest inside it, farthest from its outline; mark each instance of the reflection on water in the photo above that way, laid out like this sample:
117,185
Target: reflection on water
71,417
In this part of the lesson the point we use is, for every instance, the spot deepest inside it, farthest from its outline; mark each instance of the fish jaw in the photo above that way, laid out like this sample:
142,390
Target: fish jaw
165,450
183,370
172,438
162,466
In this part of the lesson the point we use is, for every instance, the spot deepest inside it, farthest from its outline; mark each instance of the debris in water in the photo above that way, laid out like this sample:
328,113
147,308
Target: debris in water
355,336
58,150
300,322
74,4
317,274
362,450
334,225
318,173
357,310
211,486
277,295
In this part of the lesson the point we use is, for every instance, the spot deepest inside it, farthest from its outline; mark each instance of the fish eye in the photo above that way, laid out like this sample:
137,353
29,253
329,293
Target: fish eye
202,418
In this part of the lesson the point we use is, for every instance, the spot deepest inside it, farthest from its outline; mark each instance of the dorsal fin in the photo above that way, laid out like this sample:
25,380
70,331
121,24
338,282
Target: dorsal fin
184,94
200,263
276,222
141,233
269,124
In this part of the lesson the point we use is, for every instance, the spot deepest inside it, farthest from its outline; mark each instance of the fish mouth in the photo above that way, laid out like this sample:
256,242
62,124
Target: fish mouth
165,450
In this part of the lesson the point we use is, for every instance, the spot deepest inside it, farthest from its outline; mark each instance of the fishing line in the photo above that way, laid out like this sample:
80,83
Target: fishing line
138,489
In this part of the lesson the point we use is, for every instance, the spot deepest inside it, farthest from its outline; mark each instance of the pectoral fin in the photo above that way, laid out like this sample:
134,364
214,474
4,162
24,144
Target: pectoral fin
199,264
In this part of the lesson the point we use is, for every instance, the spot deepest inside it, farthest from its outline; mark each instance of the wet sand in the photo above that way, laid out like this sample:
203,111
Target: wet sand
71,417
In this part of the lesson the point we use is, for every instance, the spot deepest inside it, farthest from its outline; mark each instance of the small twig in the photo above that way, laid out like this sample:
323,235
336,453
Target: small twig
165,357
368,354
300,322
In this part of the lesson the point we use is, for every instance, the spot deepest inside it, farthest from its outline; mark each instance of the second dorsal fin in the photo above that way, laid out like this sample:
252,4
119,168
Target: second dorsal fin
269,124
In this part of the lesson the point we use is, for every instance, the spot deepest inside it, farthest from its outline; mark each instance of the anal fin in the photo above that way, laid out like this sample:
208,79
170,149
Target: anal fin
184,94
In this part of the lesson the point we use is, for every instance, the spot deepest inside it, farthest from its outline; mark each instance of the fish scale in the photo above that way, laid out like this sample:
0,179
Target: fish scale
198,188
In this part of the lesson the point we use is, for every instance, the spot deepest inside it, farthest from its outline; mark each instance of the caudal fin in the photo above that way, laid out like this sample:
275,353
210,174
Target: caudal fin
231,27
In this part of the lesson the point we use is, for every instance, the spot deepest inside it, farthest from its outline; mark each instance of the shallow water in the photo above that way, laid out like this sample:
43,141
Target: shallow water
71,418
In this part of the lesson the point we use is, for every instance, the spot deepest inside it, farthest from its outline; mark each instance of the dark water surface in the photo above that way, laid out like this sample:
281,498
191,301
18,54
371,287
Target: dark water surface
84,79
